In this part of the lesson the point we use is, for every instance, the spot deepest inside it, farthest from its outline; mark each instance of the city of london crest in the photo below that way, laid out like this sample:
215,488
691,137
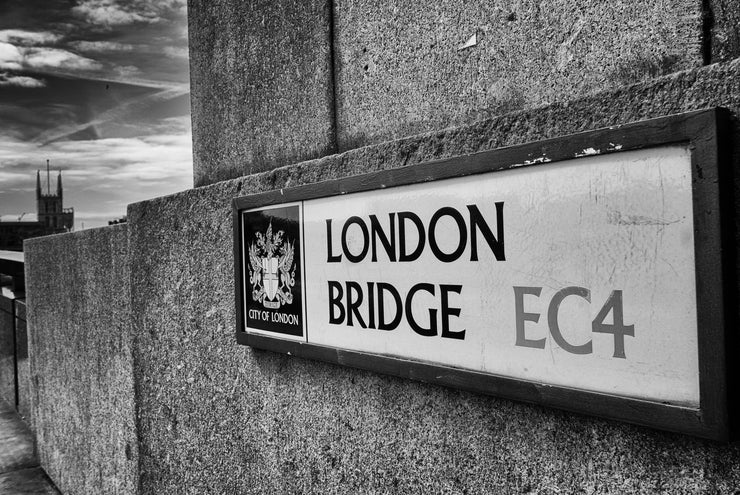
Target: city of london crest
272,269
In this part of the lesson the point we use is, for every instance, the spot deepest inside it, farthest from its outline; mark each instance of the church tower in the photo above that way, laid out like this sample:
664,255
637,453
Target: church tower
49,208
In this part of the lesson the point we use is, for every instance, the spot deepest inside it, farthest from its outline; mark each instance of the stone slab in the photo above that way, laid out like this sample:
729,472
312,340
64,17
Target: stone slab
260,85
23,365
722,25
7,349
400,68
78,309
216,417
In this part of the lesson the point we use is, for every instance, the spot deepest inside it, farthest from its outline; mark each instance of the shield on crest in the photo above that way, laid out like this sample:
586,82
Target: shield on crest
270,277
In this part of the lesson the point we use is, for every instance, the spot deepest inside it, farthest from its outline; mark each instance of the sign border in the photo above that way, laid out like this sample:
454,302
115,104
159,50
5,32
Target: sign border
706,132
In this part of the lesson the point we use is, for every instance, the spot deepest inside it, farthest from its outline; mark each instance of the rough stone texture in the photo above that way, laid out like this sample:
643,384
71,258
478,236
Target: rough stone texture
264,76
216,417
7,347
722,21
260,85
80,359
400,70
24,367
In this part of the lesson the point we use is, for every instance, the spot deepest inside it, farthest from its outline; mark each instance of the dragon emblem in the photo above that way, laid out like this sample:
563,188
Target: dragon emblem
271,269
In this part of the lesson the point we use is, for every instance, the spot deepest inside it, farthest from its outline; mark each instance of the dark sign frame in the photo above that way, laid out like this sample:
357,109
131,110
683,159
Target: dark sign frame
707,134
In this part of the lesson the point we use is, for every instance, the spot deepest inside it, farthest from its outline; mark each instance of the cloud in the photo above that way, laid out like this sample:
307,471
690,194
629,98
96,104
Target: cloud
102,46
177,51
28,38
127,70
142,48
10,57
110,13
17,58
140,160
101,177
46,58
21,81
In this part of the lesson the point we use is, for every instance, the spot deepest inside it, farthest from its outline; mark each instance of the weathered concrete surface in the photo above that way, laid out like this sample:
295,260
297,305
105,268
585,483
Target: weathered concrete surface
216,417
23,365
7,346
260,85
80,359
274,83
400,70
722,22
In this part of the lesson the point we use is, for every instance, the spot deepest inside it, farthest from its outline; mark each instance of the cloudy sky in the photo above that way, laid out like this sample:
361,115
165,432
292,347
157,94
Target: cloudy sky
100,88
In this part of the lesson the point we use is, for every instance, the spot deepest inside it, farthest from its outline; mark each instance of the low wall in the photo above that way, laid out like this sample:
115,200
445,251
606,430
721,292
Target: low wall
7,347
216,417
81,360
23,366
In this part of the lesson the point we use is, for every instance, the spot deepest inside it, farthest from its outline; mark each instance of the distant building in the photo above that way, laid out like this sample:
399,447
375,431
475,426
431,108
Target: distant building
116,221
51,217
49,209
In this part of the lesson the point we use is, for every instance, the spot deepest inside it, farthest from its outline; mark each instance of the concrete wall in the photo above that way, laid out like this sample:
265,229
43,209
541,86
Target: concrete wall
217,417
400,70
7,347
274,83
14,379
137,321
23,366
268,94
722,30
80,359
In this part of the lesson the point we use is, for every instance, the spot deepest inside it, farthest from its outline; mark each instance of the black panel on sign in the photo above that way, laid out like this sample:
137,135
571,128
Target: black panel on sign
272,270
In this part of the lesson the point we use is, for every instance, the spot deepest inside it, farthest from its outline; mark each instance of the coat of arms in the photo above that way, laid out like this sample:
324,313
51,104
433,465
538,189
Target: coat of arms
271,269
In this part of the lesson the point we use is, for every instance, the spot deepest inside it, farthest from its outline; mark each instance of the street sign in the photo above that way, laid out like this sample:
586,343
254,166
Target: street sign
553,271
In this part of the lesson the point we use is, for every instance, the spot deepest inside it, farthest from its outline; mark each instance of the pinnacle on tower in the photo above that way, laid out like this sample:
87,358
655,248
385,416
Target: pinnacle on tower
38,184
59,184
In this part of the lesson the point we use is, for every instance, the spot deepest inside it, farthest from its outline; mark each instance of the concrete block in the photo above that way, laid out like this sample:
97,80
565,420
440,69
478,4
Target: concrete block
216,417
23,366
401,68
261,86
7,347
722,28
81,360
